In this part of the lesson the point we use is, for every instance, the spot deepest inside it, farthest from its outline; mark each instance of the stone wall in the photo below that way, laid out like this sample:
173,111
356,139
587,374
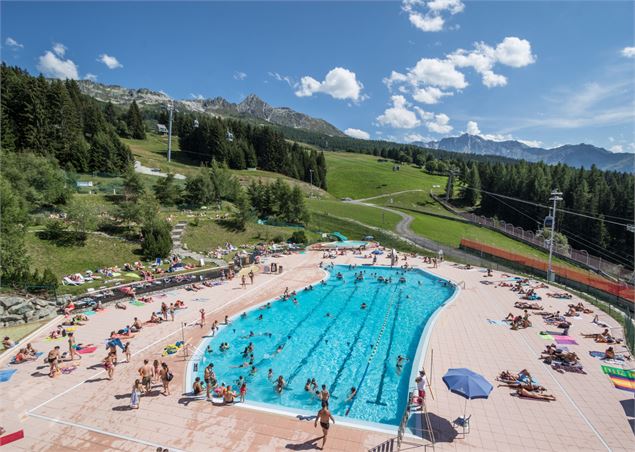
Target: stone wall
15,309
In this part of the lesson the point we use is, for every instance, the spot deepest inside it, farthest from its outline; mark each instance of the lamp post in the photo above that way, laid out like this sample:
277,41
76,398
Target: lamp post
555,197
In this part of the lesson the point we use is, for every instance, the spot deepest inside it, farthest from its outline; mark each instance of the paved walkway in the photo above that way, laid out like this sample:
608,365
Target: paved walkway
84,411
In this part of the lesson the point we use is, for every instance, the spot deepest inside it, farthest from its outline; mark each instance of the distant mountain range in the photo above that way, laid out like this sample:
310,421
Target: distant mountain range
576,155
252,107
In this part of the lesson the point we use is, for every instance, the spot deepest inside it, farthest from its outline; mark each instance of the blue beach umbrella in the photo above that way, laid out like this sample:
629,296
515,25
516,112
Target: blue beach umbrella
468,384
378,252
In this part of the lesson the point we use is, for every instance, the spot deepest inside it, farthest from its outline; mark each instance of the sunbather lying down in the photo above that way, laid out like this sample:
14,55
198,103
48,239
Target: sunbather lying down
523,393
553,353
603,337
507,376
525,305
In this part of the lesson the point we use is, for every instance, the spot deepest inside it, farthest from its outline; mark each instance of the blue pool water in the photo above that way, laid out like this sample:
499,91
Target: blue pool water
349,244
352,347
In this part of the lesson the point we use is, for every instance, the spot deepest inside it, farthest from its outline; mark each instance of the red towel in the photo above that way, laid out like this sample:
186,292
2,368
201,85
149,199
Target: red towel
86,350
6,439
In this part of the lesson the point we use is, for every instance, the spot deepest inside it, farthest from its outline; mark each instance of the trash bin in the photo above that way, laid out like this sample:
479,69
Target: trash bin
279,268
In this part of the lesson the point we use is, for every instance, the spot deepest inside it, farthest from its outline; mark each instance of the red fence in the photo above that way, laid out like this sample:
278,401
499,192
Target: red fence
621,290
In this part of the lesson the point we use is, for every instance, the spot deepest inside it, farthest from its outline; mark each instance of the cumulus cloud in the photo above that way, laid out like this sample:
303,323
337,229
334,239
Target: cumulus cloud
91,77
616,148
59,49
431,79
439,124
339,83
429,16
628,52
110,61
357,133
429,95
13,44
412,137
399,116
240,75
472,128
52,64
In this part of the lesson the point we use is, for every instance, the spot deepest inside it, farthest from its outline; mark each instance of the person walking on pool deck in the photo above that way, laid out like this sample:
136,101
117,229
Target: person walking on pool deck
146,372
202,311
324,416
251,276
166,378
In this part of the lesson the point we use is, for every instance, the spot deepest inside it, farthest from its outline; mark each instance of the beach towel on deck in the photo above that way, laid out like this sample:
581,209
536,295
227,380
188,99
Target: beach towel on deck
89,313
137,303
87,350
621,378
547,337
6,374
565,340
497,322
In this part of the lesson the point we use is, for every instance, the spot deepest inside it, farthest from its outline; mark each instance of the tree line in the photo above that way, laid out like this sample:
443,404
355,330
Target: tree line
240,145
601,195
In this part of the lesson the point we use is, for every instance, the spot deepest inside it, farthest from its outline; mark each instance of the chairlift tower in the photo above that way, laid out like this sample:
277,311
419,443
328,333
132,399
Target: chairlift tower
170,110
555,197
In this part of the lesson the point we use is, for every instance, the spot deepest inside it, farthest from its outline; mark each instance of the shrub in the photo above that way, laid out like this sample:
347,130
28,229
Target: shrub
298,237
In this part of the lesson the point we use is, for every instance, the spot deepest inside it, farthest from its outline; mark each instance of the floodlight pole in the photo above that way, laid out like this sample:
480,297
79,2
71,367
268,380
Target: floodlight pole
555,197
170,110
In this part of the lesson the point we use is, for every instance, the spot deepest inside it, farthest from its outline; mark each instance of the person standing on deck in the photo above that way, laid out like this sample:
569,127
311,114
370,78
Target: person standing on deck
324,416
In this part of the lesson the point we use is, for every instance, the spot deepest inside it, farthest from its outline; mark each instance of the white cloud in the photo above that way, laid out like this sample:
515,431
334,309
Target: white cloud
197,96
428,16
429,95
532,143
357,133
13,44
453,6
398,116
52,64
628,52
339,83
617,148
426,22
283,78
240,75
91,77
436,72
440,124
472,128
412,137
59,49
110,61
433,78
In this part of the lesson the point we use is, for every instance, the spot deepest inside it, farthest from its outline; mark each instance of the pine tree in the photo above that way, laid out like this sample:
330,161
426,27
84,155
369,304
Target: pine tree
135,122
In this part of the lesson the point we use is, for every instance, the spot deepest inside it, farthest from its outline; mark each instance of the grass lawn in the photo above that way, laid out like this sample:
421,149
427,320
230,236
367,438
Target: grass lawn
17,332
209,234
417,200
367,215
362,176
449,232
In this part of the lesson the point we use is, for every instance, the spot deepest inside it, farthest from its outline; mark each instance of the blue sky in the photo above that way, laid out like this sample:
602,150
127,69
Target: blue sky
546,72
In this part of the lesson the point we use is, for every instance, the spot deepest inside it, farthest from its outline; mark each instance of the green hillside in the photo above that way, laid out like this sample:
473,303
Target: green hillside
362,176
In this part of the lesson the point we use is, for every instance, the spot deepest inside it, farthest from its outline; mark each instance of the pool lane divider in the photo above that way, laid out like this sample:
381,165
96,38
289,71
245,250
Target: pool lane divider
354,342
372,353
380,389
304,360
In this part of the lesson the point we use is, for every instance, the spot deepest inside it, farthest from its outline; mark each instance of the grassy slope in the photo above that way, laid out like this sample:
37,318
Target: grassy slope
209,234
419,201
367,215
152,152
362,176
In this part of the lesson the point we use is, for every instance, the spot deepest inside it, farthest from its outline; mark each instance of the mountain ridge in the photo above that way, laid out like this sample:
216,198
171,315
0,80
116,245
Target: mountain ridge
252,107
575,155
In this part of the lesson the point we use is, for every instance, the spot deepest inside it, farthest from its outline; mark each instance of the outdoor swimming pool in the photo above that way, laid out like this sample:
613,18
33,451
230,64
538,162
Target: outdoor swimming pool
349,347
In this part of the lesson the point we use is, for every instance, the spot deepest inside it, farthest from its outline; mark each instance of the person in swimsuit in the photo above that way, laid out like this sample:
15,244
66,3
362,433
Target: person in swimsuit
71,347
324,394
109,365
197,387
146,372
126,351
207,376
352,394
324,416
166,378
53,360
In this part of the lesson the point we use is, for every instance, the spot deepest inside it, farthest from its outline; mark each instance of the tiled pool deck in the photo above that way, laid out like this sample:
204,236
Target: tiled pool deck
85,411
